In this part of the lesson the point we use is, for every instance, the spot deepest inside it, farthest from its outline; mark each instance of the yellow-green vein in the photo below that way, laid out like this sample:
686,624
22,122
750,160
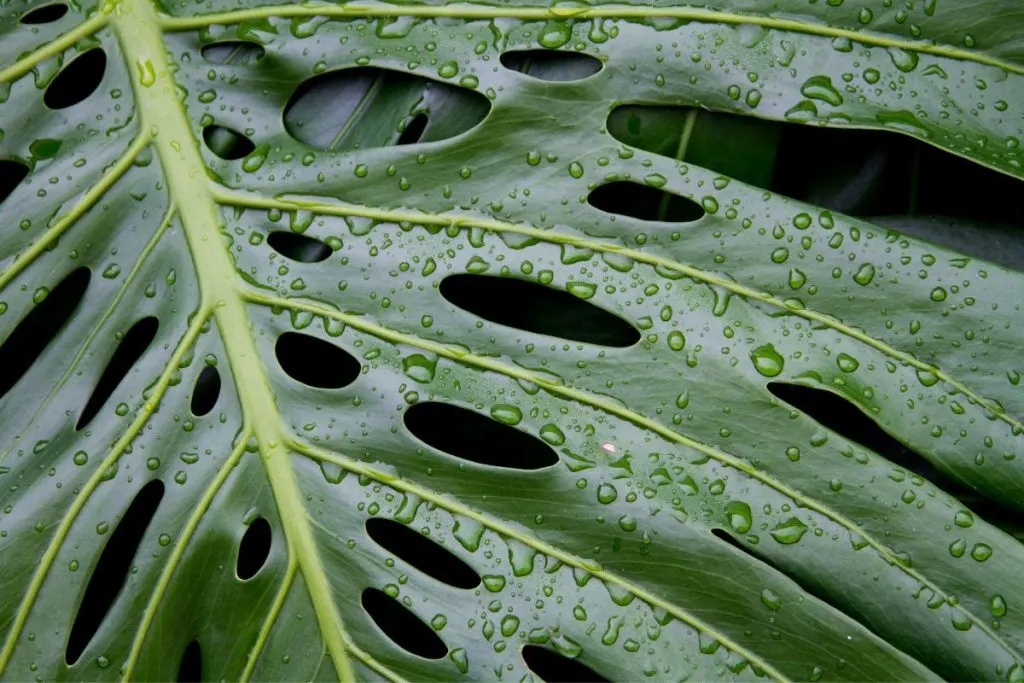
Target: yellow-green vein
625,413
454,507
54,48
84,346
45,562
415,217
468,11
137,29
176,554
66,220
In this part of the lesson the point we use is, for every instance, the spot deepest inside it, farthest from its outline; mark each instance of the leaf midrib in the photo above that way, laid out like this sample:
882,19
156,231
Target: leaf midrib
138,30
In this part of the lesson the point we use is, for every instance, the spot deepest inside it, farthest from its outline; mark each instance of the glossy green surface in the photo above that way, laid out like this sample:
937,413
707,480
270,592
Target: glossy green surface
855,569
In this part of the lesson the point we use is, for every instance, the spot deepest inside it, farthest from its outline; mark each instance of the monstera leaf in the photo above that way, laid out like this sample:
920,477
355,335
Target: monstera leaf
511,340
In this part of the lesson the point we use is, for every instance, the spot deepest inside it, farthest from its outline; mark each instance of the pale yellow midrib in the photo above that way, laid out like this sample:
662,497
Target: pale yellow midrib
138,31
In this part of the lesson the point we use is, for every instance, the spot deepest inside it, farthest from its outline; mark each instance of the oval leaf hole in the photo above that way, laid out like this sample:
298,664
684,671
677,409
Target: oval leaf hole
845,418
314,362
37,329
369,107
190,670
422,553
554,667
626,198
11,175
45,14
471,436
110,572
206,391
413,130
254,549
128,352
551,65
234,52
535,308
298,247
402,626
76,81
226,143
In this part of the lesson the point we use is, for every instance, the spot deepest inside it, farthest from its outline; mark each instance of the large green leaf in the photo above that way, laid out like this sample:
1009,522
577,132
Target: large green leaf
793,453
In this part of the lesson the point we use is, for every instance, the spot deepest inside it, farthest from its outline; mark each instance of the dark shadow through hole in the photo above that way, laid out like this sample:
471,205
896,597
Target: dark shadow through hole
233,52
190,670
109,574
413,130
315,362
45,14
894,180
723,535
551,65
39,327
466,434
845,418
11,175
226,143
554,667
76,81
254,549
403,627
298,247
206,391
421,552
128,352
533,307
626,198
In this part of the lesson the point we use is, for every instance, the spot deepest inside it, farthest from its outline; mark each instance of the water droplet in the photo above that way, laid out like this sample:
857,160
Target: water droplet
790,531
740,518
767,360
507,414
847,363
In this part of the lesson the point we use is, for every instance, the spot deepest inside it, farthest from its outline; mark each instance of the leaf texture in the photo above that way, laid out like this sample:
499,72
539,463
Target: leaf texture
319,277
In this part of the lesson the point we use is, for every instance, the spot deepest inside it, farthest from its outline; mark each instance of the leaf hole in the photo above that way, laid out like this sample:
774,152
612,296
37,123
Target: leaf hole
315,362
421,552
254,549
723,535
298,247
552,65
80,78
190,669
40,326
111,571
626,198
226,143
471,436
129,350
233,52
206,391
846,419
370,107
46,14
554,667
413,130
533,307
403,627
11,175
889,178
